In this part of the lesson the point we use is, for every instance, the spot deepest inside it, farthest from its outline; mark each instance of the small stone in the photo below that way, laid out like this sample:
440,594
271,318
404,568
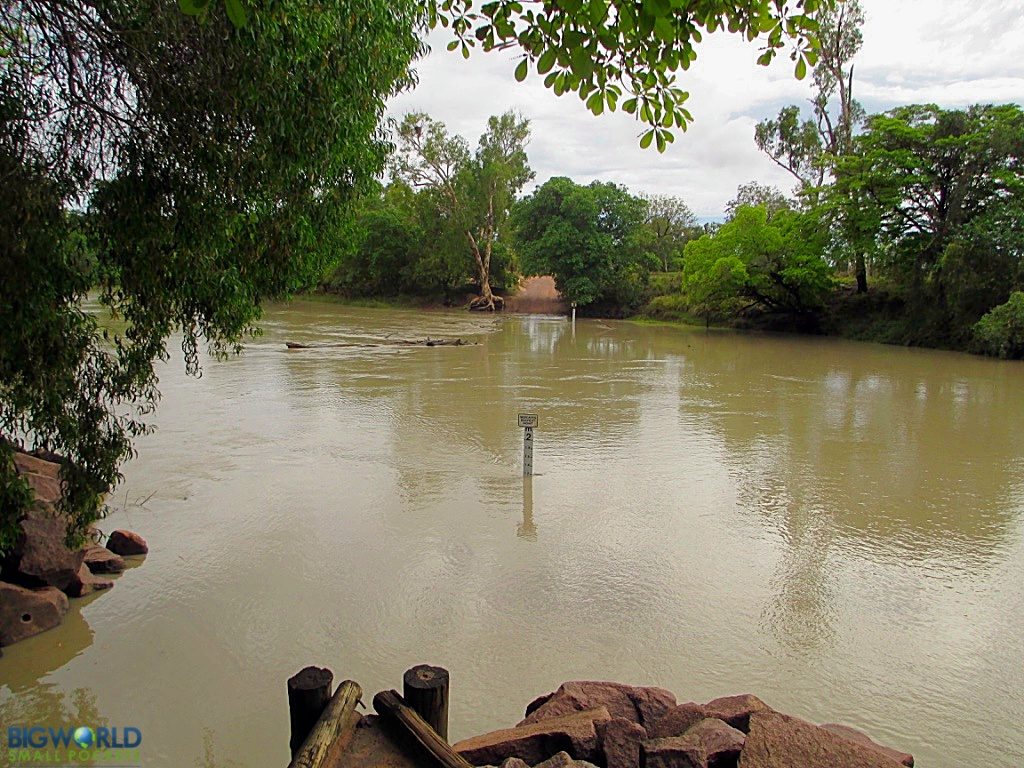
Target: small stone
85,583
127,543
27,612
514,762
102,560
564,760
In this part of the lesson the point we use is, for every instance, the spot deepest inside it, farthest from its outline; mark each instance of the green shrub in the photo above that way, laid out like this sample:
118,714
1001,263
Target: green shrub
1000,333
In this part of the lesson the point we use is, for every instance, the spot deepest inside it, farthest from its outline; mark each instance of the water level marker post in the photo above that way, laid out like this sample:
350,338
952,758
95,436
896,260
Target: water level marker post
528,421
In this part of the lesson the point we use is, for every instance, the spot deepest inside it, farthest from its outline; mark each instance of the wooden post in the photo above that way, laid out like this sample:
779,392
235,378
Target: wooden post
309,692
333,732
425,690
390,704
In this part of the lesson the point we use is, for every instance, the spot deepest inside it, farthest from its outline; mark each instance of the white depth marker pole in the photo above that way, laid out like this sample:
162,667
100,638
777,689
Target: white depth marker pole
528,421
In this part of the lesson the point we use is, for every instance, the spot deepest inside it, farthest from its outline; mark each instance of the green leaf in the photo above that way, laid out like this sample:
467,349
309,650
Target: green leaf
646,139
521,70
236,13
547,61
193,7
801,68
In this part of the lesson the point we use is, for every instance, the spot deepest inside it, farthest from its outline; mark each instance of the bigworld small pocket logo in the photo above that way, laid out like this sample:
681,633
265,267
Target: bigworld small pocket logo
46,745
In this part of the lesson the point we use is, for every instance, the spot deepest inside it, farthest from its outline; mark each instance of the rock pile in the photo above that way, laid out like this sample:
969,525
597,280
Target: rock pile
620,726
40,572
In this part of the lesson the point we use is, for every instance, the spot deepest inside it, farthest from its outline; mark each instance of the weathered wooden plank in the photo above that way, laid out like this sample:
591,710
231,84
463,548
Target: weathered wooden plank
334,728
390,704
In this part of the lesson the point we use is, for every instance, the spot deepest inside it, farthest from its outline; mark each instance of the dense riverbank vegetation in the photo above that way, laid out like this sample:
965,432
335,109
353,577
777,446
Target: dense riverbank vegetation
916,238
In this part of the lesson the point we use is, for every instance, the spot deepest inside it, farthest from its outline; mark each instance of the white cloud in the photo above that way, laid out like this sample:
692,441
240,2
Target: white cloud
914,51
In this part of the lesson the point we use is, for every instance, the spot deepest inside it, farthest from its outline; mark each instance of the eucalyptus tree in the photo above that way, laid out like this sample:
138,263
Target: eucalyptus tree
809,149
476,190
670,224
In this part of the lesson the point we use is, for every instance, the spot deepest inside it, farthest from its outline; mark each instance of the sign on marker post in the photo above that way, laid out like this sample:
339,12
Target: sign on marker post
528,421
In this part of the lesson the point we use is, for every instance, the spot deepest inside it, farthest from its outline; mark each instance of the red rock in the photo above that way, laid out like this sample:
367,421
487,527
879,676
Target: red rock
638,704
677,721
127,543
27,612
780,741
575,733
859,737
721,742
40,557
674,752
620,742
736,710
102,560
26,463
564,760
85,583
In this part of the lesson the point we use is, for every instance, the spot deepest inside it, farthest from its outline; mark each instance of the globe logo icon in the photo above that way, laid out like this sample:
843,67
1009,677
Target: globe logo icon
84,737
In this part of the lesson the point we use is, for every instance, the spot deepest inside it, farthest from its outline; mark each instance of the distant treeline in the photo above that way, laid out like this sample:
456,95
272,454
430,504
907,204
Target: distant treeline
916,236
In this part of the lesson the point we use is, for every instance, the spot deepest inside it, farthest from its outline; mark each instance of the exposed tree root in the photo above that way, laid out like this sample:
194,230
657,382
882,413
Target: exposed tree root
490,303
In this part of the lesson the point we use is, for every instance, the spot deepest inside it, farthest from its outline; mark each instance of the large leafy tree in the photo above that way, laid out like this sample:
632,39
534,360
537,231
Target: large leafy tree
670,225
213,161
474,191
589,238
933,179
753,194
753,261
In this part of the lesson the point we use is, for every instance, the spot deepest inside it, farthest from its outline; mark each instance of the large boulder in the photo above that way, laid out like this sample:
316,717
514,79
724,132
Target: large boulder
780,741
575,733
859,737
709,743
677,721
620,742
675,752
85,583
43,477
127,543
26,612
102,560
641,705
40,557
736,710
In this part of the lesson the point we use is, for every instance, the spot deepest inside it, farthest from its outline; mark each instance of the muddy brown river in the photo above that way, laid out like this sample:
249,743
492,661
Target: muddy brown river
837,527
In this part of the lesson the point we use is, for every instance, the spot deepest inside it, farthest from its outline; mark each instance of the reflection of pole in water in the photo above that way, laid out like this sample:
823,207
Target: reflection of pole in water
526,529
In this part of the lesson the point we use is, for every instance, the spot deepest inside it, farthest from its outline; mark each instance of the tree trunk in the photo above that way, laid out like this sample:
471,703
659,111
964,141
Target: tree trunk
486,301
862,274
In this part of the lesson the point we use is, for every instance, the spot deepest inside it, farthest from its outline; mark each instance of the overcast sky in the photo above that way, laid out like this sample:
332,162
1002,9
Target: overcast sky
948,52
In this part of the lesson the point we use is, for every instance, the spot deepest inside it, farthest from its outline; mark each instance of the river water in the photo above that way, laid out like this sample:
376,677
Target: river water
834,526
